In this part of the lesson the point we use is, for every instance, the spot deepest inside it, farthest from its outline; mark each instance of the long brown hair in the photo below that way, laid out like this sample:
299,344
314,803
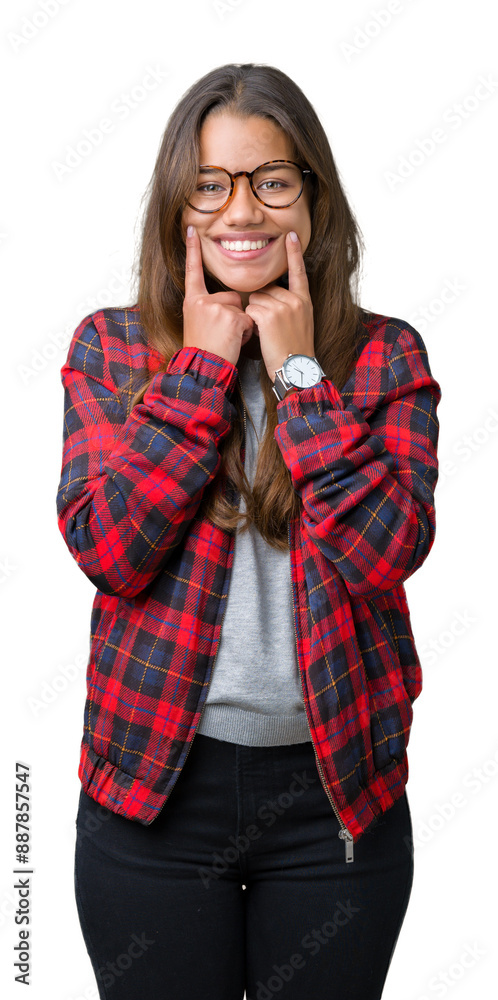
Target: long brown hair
332,261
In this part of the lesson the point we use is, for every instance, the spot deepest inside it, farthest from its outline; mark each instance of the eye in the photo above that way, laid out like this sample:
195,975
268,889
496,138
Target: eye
208,187
271,185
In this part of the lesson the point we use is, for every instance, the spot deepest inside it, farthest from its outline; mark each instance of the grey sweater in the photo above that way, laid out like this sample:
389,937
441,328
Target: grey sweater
255,695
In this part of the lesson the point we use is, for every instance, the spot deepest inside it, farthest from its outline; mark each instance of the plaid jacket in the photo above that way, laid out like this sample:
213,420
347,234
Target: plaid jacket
363,461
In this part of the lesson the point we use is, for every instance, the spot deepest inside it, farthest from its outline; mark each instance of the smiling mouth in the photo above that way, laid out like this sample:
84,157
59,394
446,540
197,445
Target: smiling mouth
245,250
242,245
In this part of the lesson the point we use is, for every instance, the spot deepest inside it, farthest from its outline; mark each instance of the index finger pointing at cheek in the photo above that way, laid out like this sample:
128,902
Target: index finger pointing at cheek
298,279
194,274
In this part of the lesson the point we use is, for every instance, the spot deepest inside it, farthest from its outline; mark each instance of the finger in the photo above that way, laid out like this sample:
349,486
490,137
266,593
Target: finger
255,312
248,334
264,295
227,298
298,279
247,321
194,274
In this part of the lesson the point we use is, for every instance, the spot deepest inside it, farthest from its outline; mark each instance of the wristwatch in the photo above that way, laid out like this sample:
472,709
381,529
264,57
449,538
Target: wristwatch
298,371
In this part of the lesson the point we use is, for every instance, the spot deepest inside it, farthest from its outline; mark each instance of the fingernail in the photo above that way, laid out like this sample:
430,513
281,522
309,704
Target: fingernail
293,236
190,230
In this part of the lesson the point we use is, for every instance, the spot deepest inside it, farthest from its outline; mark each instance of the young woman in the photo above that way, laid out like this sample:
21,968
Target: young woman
248,476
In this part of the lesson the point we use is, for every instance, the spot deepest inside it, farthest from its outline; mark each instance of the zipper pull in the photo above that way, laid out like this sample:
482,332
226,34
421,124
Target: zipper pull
349,844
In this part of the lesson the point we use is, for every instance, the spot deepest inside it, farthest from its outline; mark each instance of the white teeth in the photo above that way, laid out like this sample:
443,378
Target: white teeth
244,244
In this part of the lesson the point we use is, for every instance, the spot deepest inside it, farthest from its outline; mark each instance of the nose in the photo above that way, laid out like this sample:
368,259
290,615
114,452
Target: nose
243,205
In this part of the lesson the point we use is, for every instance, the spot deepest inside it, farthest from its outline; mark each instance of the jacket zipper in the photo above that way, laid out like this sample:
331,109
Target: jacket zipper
217,648
344,834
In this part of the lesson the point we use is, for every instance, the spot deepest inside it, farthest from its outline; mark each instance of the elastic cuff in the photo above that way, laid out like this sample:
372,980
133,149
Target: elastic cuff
196,361
295,403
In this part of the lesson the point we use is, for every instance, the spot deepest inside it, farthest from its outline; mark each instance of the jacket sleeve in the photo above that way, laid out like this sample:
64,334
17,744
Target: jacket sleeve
130,485
367,488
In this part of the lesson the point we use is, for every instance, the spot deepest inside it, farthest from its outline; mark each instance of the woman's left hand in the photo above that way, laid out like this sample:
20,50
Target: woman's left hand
284,317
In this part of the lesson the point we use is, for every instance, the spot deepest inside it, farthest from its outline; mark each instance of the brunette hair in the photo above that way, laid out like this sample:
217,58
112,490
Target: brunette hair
332,260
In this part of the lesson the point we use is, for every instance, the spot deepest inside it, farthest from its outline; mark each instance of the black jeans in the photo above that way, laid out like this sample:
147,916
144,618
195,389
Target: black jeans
241,884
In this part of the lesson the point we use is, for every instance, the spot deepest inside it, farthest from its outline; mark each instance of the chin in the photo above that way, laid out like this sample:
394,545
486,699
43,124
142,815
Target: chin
231,279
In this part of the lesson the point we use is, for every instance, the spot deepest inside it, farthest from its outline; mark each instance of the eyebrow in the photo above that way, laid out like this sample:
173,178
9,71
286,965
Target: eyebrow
212,170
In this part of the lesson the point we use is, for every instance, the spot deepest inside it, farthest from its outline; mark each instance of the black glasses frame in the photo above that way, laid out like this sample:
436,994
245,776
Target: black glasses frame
249,174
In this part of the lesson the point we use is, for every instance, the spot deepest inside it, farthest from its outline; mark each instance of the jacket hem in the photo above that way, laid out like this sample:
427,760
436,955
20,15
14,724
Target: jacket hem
118,791
127,796
374,799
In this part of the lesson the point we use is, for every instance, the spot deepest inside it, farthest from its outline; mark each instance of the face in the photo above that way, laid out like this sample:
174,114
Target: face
243,144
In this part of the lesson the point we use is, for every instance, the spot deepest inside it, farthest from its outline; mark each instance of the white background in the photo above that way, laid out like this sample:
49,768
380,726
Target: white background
67,245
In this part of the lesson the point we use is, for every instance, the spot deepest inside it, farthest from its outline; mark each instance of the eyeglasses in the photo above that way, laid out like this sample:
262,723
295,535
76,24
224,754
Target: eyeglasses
276,184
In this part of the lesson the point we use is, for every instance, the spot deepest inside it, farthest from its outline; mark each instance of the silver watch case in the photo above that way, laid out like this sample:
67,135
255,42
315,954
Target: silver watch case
283,382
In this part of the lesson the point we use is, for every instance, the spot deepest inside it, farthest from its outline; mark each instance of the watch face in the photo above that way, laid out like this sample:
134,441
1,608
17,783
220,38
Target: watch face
301,371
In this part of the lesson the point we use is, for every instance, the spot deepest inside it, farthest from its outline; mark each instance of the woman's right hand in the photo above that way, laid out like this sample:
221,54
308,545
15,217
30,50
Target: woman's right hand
213,322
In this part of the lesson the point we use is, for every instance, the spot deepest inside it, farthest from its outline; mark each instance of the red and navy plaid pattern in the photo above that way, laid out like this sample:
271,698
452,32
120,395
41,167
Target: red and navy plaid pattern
363,461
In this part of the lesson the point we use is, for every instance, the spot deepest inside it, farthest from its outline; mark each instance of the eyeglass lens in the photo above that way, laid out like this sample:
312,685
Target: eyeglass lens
277,184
